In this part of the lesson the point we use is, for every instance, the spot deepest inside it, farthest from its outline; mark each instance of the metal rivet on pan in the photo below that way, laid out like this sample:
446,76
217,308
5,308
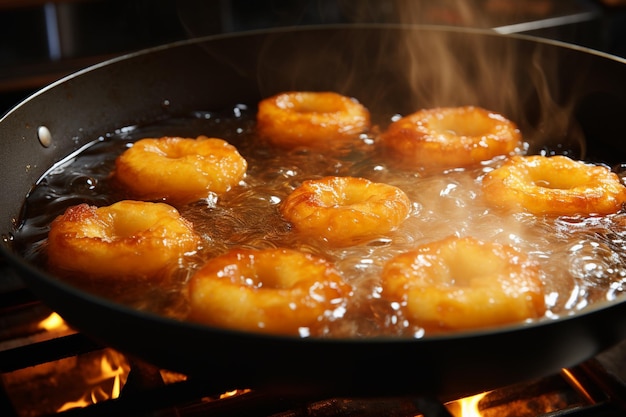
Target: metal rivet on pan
44,136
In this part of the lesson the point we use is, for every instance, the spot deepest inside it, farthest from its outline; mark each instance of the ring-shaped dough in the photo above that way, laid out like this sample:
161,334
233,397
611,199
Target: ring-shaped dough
464,283
345,210
554,185
280,291
318,120
178,169
449,137
126,239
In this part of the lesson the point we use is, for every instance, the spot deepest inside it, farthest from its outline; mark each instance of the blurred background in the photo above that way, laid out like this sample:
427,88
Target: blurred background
42,41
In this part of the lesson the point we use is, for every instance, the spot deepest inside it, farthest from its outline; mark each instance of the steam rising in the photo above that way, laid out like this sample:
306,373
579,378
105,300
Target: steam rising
408,67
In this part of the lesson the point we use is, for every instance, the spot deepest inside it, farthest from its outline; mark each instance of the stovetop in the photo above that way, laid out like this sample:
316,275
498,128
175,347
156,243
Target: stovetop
46,371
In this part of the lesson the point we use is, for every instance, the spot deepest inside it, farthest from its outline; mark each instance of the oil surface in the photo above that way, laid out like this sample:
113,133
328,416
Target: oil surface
582,258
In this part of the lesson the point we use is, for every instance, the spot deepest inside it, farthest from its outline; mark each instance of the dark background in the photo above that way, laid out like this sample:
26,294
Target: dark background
42,41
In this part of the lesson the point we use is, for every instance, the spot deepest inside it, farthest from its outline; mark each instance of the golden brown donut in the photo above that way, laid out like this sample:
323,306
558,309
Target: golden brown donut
449,137
464,283
345,210
179,169
317,120
281,291
125,239
554,185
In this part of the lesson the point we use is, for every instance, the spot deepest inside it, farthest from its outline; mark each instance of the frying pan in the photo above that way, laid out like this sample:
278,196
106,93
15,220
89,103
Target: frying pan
565,99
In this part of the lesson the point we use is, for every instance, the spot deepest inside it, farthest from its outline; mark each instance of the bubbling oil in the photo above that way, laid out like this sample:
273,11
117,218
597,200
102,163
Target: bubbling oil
581,258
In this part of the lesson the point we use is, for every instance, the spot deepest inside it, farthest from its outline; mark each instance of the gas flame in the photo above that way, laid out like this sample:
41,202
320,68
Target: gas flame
52,322
82,402
234,393
466,407
108,371
104,386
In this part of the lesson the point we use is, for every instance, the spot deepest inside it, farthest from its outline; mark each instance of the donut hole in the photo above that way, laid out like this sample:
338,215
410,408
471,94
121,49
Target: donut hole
554,183
311,103
338,192
464,124
350,198
167,150
271,270
129,224
469,263
259,279
272,275
567,180
130,220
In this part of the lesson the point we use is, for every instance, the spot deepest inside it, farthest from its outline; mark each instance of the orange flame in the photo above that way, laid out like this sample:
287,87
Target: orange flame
99,387
52,322
108,371
82,402
234,393
466,407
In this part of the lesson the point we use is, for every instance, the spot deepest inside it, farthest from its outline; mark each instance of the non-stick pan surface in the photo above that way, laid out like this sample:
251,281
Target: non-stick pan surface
554,92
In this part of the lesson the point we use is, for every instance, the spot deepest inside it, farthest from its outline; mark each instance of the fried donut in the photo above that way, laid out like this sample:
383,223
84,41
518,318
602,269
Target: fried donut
554,185
311,119
125,239
345,210
178,169
464,283
449,137
281,291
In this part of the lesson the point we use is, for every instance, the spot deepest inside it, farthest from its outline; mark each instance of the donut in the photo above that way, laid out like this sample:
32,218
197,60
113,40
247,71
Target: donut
556,185
449,137
123,240
463,283
344,211
318,120
280,291
179,170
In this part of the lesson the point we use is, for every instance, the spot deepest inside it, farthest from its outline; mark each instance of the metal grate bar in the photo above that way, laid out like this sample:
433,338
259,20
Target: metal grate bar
45,351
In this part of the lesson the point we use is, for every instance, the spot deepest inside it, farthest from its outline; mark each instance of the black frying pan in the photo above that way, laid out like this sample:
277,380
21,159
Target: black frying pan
556,94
